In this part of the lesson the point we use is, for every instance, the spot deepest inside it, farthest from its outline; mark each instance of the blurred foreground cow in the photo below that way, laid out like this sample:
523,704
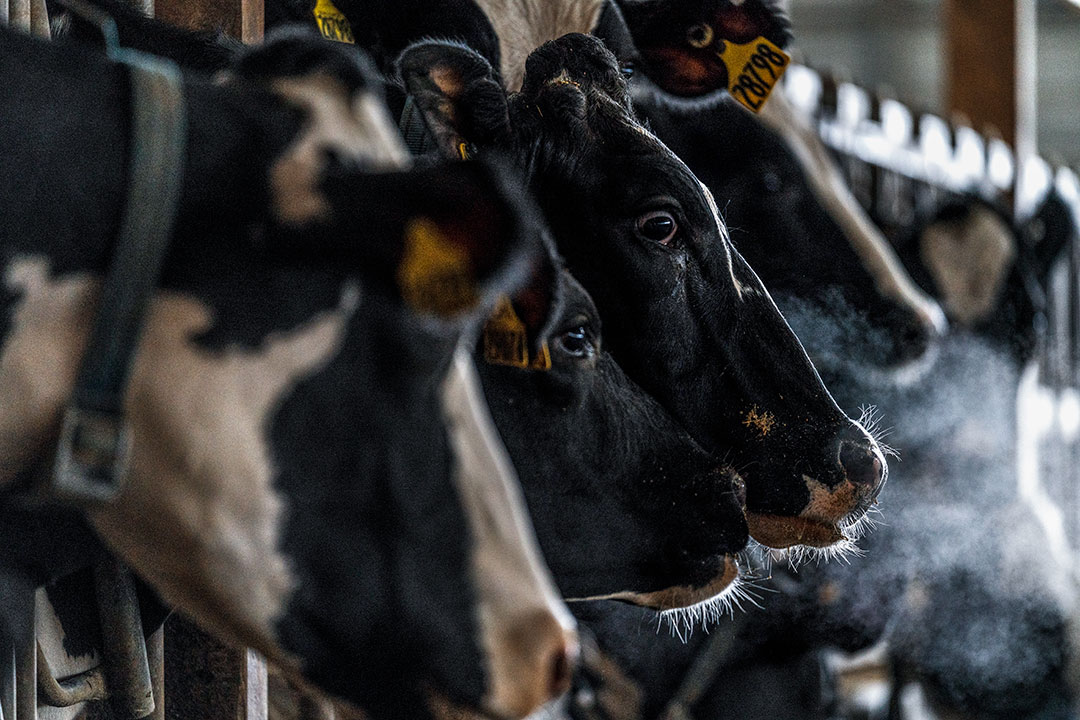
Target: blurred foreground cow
312,470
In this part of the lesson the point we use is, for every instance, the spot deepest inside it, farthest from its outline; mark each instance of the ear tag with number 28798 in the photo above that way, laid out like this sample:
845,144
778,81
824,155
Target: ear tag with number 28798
753,70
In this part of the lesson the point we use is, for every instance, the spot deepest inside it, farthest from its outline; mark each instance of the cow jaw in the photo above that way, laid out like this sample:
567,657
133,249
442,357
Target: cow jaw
681,596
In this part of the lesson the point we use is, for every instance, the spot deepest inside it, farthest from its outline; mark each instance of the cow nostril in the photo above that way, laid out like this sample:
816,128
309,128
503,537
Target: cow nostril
861,464
562,667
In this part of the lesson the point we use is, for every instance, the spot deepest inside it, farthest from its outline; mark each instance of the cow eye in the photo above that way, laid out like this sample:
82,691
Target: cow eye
576,343
658,226
700,35
627,69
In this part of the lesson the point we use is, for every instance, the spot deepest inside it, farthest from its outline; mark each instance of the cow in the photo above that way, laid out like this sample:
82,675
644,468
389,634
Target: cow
312,472
684,315
625,503
799,226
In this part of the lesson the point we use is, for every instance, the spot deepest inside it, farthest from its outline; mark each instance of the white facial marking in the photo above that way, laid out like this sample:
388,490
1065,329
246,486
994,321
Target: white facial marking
832,192
740,289
360,129
524,25
522,620
969,262
198,516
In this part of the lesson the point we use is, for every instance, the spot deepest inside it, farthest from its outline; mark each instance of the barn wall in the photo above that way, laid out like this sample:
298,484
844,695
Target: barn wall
897,44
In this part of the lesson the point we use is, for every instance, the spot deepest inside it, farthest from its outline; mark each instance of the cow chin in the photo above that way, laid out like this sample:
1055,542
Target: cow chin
834,516
682,596
780,532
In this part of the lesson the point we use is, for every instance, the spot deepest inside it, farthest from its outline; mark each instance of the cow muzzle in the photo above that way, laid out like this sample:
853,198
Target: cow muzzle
834,510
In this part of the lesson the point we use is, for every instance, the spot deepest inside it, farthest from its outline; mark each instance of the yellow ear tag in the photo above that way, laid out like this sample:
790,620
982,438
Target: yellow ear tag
753,70
332,24
507,343
463,150
435,275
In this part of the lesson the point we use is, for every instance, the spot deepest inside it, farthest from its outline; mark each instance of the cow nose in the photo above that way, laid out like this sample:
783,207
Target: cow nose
562,665
917,332
862,463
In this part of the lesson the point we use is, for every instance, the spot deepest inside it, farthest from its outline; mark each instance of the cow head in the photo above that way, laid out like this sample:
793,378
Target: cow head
830,270
682,42
625,504
312,472
684,314
1003,285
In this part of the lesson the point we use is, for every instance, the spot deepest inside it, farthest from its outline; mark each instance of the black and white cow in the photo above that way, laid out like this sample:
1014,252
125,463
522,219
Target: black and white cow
313,472
683,313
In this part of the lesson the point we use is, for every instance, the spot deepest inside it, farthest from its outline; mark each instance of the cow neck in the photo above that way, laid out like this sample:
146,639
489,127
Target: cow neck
93,448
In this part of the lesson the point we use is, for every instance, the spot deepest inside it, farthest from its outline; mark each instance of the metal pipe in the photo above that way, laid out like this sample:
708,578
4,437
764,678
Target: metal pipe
39,19
81,688
256,684
122,644
7,680
3,13
26,666
19,14
155,656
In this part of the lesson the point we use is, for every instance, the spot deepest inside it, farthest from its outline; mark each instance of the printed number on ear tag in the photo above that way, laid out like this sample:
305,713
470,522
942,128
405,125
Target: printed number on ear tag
507,343
435,275
332,23
753,70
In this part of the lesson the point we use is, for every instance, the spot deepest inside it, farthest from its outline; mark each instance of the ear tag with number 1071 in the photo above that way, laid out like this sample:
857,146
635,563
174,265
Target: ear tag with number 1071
753,70
332,22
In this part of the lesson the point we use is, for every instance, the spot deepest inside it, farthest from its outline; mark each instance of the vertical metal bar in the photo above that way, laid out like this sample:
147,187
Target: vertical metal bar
3,13
26,665
256,703
19,14
7,681
123,648
39,19
155,656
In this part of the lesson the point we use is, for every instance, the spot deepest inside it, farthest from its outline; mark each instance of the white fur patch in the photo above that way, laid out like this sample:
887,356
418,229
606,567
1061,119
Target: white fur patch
361,130
969,262
198,517
522,620
524,25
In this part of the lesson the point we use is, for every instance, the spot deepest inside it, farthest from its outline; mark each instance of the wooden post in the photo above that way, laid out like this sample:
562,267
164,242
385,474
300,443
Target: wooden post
991,67
205,678
243,19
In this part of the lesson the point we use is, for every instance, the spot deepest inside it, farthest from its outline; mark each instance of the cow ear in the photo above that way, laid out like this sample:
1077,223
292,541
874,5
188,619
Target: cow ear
683,42
447,239
734,21
458,94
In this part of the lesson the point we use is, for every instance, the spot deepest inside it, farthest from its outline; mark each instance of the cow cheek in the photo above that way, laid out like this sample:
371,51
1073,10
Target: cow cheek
198,517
